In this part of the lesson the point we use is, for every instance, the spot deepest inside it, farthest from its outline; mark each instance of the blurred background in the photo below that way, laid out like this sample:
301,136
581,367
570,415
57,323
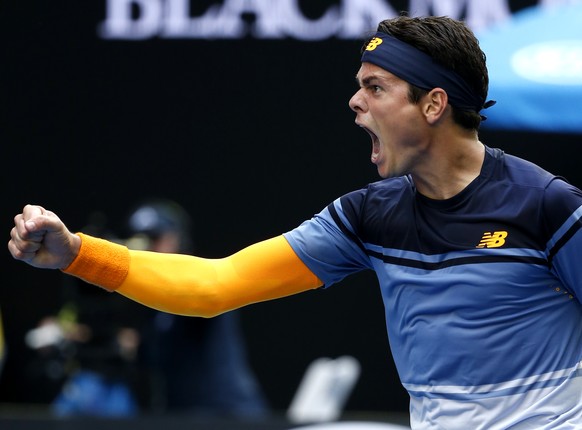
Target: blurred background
237,111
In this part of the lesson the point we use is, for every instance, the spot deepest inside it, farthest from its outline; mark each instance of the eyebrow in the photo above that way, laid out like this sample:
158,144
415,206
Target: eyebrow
367,80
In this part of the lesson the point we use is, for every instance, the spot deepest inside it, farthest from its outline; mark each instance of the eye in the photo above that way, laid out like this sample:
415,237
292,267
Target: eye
374,88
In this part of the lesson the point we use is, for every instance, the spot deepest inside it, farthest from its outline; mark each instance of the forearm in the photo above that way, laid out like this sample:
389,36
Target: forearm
196,286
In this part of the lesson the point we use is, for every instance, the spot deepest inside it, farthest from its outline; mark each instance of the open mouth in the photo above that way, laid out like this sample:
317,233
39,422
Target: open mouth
375,144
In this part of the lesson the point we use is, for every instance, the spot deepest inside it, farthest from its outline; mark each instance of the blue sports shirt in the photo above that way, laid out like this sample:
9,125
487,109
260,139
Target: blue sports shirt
481,291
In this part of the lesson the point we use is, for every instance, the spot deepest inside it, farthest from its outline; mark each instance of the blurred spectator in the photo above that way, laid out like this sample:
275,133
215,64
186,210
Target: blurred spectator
89,350
196,364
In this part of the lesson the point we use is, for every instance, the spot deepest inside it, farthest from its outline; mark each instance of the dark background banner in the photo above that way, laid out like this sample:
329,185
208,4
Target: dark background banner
251,136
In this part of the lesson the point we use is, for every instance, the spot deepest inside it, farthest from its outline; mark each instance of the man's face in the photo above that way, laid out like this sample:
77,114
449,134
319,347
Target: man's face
396,125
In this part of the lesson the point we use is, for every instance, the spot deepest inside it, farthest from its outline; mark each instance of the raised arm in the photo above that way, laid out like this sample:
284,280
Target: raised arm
188,285
173,283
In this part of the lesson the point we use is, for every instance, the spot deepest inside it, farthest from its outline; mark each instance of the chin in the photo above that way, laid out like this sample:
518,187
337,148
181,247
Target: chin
383,175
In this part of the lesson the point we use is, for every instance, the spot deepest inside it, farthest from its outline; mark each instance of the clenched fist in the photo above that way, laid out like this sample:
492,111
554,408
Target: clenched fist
42,240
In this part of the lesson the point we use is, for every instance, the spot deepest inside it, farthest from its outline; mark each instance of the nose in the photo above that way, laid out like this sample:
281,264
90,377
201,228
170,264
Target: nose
357,103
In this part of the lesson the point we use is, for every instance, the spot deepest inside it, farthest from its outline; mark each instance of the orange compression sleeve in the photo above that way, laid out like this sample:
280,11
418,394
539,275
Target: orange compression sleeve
191,285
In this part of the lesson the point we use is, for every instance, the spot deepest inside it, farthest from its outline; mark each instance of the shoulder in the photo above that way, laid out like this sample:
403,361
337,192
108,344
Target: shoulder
371,208
382,193
556,190
526,181
562,200
522,172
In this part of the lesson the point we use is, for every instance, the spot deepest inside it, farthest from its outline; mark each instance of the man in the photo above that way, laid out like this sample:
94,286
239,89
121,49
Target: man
475,251
195,365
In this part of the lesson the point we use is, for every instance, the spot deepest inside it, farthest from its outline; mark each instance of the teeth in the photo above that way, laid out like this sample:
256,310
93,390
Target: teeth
375,144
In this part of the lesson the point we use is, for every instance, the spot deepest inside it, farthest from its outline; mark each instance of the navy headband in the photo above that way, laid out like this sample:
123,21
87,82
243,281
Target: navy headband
419,69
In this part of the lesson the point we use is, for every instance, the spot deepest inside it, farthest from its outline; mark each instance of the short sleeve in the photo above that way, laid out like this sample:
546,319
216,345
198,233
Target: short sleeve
329,246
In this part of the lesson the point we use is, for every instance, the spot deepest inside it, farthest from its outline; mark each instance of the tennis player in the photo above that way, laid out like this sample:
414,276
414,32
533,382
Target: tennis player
477,252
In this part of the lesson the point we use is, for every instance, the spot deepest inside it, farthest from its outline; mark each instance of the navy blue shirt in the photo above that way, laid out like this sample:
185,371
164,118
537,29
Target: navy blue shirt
480,290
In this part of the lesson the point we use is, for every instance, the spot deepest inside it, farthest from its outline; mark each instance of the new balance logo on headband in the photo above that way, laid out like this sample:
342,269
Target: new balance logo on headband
493,240
373,44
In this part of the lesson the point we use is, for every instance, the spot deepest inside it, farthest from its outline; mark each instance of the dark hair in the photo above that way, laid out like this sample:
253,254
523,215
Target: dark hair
450,43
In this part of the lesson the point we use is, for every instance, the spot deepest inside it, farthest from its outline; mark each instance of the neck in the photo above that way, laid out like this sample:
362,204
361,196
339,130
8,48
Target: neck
451,165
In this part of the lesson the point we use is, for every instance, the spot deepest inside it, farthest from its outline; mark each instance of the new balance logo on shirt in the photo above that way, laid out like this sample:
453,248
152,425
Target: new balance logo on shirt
492,240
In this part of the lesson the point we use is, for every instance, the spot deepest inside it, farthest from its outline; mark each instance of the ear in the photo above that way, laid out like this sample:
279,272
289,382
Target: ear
435,105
